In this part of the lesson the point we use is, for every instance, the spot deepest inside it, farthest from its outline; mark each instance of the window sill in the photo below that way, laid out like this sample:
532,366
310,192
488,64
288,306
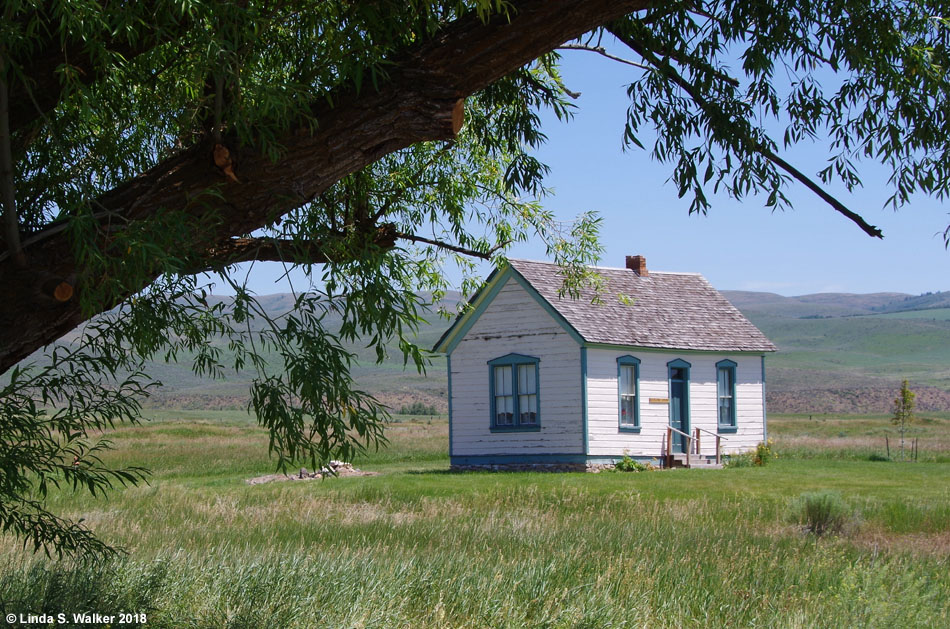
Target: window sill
728,430
516,428
631,429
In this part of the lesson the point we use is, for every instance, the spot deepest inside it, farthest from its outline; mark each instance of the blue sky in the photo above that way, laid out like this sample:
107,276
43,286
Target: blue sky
737,245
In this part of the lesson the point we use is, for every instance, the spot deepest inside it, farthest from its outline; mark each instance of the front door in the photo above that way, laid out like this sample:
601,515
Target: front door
679,402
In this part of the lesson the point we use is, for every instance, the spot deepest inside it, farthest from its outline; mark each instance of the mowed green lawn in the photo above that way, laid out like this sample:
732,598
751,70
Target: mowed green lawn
417,546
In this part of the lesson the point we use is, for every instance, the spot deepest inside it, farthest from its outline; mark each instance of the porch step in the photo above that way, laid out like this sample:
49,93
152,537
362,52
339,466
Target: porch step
705,465
695,461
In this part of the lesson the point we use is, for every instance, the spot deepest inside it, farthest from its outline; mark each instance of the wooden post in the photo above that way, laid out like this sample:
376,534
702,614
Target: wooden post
887,444
699,449
718,452
669,447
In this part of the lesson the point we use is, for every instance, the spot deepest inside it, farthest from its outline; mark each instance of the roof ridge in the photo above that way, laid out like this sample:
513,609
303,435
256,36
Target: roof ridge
606,268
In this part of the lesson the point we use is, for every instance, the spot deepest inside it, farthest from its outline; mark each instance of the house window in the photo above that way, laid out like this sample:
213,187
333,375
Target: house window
514,393
504,400
726,393
628,392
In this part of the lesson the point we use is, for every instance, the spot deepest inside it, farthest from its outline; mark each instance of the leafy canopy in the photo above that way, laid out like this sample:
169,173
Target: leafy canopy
160,87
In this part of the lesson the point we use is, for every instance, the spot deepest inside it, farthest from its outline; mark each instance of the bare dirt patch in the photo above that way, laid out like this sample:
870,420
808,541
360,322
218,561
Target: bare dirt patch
876,539
853,400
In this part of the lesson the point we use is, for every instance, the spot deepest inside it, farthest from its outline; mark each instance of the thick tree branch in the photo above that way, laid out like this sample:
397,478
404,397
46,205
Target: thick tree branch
765,151
236,250
419,102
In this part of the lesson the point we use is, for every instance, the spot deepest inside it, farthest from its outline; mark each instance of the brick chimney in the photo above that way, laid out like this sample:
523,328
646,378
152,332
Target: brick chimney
638,264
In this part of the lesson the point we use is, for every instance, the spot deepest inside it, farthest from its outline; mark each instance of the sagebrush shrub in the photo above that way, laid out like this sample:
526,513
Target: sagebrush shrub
821,512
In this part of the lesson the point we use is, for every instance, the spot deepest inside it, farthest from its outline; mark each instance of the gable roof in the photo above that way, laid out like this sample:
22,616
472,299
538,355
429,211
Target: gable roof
666,310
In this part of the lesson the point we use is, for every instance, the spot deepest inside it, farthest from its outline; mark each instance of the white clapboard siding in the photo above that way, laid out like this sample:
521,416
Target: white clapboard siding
515,323
605,437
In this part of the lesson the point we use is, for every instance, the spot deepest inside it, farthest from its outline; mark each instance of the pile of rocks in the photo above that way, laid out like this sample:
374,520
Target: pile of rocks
333,468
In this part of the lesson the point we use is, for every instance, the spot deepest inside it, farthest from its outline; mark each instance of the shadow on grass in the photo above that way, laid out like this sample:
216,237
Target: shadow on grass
440,472
447,472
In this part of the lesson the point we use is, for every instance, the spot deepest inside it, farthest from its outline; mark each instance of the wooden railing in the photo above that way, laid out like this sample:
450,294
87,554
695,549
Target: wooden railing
719,440
669,444
692,441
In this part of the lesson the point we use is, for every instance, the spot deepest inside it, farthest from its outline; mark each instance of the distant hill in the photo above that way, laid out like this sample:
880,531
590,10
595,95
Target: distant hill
819,304
838,352
394,383
835,304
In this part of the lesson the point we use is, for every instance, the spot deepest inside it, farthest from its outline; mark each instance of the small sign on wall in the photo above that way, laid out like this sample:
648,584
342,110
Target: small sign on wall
659,400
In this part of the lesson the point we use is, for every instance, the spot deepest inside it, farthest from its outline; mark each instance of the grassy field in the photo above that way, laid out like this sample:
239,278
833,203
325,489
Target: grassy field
860,437
416,546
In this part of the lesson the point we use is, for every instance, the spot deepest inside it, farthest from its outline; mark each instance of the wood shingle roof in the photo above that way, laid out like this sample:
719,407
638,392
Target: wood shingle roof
664,310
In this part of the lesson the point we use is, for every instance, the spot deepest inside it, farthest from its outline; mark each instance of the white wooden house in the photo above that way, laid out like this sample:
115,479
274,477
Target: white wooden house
667,372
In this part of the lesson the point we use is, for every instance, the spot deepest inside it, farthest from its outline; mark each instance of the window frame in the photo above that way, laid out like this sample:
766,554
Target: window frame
731,424
514,361
634,426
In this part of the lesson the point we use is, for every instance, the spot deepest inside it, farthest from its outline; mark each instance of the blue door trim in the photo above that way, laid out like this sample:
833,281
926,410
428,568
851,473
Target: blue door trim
679,363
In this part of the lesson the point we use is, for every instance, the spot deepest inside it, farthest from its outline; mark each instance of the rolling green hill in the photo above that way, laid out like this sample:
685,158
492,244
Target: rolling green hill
810,306
834,304
837,353
849,352
391,381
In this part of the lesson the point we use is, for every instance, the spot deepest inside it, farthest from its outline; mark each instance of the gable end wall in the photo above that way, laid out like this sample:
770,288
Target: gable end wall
515,323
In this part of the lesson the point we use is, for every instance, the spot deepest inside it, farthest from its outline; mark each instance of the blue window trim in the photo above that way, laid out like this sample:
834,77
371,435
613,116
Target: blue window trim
514,360
679,363
629,361
729,425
